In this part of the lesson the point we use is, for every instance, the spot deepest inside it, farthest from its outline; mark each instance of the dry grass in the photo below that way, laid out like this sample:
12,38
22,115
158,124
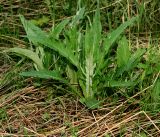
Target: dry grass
27,111
29,114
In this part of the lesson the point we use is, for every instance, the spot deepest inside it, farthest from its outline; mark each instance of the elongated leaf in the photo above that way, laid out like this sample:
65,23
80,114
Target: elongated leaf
92,53
134,59
112,37
36,35
132,62
123,52
32,31
96,32
114,83
71,75
79,15
44,74
29,54
58,29
89,76
93,37
71,39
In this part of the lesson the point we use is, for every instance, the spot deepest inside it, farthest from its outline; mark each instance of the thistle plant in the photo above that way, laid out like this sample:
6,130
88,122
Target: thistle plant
85,55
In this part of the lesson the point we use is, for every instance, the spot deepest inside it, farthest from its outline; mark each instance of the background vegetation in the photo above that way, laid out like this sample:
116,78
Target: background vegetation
124,97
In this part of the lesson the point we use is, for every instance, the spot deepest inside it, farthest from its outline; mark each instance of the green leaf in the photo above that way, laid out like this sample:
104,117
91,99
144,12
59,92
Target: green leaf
89,68
79,15
48,59
71,75
40,21
45,74
108,42
132,62
123,52
32,31
96,31
29,54
91,103
92,53
37,36
71,40
112,37
58,28
113,83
